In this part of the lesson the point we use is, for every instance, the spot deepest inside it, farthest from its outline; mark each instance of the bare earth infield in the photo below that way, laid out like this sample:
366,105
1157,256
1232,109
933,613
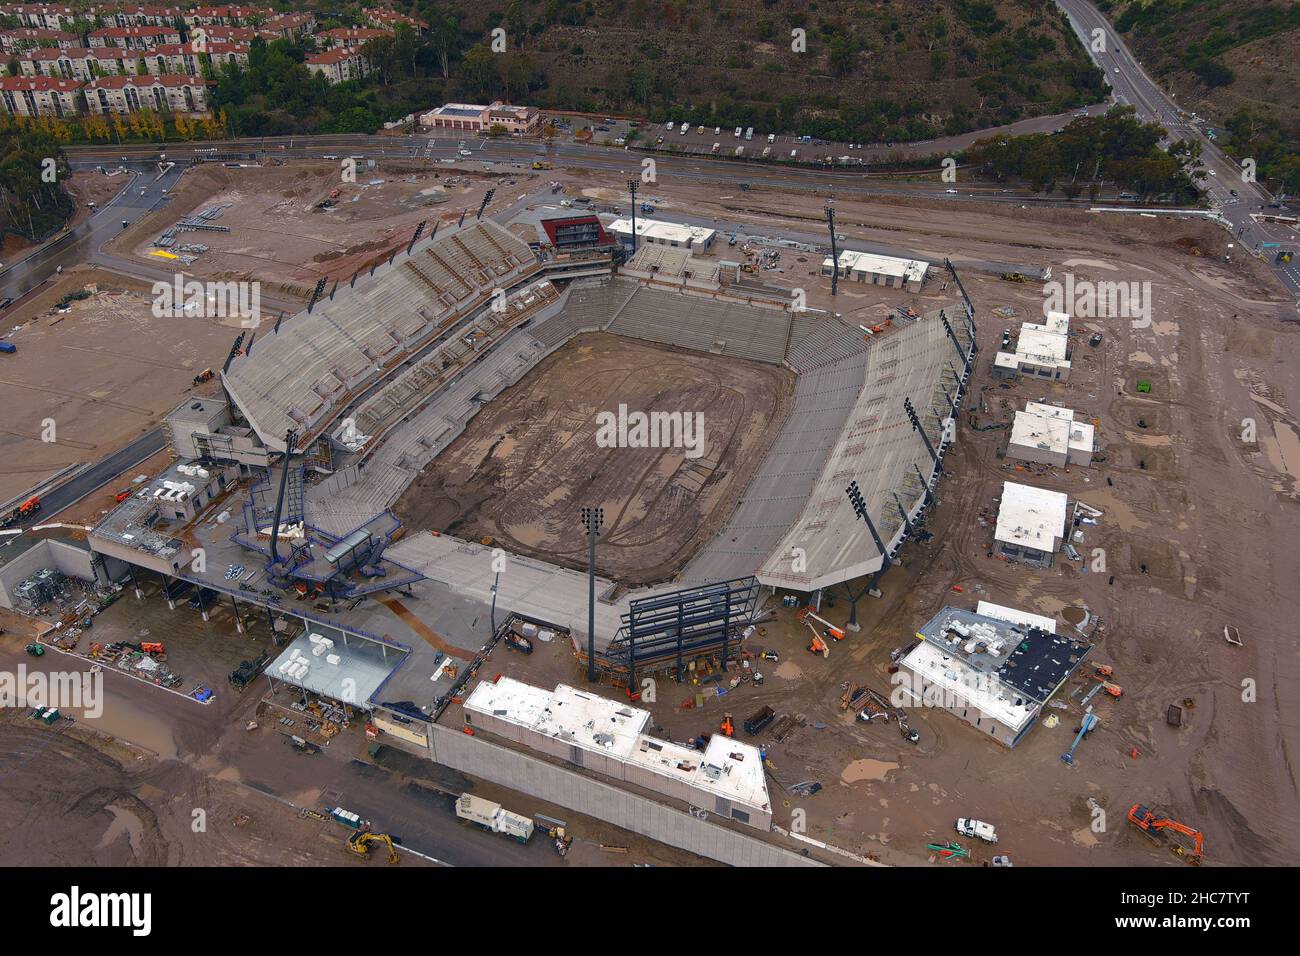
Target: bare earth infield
529,460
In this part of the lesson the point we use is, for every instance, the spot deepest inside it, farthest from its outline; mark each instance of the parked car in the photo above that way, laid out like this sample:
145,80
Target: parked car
978,829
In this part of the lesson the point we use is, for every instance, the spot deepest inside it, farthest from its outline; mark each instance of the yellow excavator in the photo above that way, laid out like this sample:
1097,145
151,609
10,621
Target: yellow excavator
362,841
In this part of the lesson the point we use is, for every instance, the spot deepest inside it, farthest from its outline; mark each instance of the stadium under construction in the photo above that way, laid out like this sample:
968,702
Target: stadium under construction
281,499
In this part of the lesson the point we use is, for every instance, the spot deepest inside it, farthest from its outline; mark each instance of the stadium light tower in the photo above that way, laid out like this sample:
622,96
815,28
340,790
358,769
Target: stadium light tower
835,255
860,509
592,519
632,186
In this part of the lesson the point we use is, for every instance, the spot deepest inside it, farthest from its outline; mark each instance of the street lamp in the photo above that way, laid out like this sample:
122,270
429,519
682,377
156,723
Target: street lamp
592,519
835,256
632,186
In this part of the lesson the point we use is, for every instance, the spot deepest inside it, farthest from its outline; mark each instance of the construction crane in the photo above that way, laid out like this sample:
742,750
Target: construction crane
1089,722
1183,840
361,841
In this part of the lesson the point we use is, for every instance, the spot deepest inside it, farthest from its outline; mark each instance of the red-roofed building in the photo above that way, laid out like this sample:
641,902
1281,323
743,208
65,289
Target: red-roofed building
42,15
187,58
40,96
288,26
77,63
391,20
135,38
224,34
129,94
339,64
232,16
140,16
350,36
31,38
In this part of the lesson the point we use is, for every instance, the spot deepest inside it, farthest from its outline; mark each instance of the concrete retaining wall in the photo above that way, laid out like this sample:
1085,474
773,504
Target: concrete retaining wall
594,798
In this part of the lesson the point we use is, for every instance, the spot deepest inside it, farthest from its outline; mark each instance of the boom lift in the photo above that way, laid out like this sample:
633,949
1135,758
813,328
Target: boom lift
1183,840
831,630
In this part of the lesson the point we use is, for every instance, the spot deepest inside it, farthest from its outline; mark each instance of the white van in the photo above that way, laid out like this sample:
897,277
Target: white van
771,137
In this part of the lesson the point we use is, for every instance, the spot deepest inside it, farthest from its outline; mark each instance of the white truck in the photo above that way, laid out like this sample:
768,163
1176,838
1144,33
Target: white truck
978,829
494,817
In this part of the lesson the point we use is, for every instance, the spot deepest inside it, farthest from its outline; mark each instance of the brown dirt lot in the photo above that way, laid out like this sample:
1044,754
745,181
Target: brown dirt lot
105,371
530,459
279,235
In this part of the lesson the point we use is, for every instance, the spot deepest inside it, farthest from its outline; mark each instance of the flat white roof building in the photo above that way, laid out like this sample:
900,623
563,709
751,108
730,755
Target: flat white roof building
607,736
880,270
995,670
1049,435
1015,616
1031,523
1043,350
676,234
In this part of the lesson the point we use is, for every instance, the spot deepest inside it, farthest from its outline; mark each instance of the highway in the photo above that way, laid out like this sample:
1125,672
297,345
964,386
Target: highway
1238,201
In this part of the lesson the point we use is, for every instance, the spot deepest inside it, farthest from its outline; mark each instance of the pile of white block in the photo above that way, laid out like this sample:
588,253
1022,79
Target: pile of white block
298,664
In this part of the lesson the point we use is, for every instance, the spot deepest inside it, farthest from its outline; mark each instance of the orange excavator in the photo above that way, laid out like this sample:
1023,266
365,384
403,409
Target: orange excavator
1162,831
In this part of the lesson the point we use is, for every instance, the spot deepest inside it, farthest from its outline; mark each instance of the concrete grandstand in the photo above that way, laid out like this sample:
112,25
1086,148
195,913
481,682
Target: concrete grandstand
379,377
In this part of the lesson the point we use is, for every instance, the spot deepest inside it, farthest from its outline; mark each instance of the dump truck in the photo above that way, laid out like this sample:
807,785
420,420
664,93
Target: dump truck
759,721
494,817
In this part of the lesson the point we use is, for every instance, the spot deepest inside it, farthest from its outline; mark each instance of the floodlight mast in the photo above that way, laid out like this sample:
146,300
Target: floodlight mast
592,519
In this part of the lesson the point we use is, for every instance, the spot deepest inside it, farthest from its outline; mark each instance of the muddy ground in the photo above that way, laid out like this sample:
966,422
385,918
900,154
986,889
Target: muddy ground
159,779
99,374
281,235
531,458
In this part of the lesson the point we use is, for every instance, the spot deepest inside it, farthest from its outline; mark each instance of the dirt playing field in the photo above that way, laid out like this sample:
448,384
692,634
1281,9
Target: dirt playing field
530,459
99,374
292,225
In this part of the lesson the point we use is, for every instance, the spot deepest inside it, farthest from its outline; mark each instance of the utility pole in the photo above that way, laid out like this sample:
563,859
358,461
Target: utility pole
592,519
632,186
835,254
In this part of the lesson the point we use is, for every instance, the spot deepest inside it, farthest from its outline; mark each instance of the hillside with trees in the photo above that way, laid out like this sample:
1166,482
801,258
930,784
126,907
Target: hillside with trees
1235,64
32,202
864,71
1116,149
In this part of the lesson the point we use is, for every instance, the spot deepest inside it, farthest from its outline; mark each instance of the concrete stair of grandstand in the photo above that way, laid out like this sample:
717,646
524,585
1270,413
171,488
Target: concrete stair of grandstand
819,341
705,325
